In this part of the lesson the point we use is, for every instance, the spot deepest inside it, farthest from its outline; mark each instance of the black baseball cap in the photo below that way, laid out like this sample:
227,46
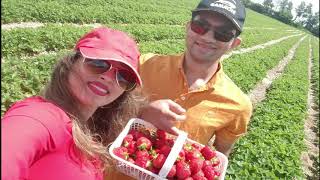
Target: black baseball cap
234,10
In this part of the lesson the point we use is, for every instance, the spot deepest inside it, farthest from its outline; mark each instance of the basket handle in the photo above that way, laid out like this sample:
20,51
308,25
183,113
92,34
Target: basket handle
175,150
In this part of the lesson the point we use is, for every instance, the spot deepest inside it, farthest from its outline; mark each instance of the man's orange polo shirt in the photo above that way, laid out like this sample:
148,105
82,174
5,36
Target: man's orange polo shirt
218,107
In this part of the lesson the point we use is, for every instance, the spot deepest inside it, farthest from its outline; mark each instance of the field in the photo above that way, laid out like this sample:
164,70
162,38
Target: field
275,142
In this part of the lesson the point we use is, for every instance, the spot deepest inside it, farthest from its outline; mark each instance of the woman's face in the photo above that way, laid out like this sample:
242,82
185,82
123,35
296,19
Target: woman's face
93,90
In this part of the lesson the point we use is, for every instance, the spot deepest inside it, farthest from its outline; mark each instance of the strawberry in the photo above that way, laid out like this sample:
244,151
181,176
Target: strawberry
172,172
165,150
136,134
159,161
142,154
153,153
144,163
170,142
127,139
195,165
215,161
195,154
187,147
217,173
132,147
153,169
182,170
159,143
199,176
121,152
196,146
206,163
144,143
188,178
181,156
161,134
208,172
208,153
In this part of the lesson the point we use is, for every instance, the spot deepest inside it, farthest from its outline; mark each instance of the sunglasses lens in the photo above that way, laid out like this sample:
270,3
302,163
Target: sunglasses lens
126,79
224,37
198,27
96,66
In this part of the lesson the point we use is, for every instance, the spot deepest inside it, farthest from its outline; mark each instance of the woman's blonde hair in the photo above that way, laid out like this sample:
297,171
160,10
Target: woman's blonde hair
91,136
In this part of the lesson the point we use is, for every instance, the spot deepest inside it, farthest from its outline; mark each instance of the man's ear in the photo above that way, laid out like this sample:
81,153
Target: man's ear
236,42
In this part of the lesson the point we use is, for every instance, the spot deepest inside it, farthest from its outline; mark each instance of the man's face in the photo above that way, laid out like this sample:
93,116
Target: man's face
209,46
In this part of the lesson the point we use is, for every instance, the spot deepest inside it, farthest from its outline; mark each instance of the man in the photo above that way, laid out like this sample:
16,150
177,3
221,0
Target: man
195,79
190,91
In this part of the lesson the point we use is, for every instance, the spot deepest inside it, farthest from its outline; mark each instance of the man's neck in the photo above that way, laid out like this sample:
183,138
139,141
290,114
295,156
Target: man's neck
198,74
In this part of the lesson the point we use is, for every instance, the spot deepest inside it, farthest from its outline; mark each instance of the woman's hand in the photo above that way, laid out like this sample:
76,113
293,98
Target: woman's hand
162,113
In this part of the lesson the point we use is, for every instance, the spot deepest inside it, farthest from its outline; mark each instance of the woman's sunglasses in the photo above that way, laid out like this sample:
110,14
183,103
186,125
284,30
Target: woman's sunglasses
125,79
202,27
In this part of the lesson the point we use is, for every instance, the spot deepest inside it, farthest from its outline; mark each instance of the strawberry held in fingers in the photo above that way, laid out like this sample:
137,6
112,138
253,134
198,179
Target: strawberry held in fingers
144,143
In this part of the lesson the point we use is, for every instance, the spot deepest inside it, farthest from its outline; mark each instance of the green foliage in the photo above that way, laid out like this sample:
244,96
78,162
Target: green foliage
273,145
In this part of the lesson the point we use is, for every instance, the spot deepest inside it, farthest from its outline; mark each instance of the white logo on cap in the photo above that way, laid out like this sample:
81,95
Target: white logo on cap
227,5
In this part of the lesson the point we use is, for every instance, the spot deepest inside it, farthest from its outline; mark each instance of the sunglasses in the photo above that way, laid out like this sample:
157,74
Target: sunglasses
202,27
125,79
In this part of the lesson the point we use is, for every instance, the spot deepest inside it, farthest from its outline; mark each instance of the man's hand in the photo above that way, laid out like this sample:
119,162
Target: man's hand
162,113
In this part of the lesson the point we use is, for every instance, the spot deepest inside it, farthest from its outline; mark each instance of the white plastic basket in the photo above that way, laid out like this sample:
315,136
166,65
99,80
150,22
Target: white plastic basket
137,172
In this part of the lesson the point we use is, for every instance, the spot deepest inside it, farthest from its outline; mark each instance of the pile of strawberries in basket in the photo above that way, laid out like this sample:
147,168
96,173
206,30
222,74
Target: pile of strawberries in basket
150,152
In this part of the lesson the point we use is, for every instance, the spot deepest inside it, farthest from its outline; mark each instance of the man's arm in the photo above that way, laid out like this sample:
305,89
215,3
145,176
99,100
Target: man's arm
223,146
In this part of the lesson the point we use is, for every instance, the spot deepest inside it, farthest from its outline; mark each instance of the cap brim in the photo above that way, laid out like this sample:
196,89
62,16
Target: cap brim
220,11
108,55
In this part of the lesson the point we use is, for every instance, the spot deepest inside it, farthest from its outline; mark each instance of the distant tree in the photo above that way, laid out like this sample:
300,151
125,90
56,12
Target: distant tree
283,5
268,5
300,10
246,3
308,11
285,8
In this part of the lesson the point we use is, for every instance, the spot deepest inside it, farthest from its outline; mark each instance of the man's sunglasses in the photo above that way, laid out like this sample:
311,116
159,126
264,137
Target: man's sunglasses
202,27
125,79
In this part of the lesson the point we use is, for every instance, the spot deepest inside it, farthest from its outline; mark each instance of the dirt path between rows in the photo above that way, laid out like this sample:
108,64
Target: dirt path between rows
259,92
310,128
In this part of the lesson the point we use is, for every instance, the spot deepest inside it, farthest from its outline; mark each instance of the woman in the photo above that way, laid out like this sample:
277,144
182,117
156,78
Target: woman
63,133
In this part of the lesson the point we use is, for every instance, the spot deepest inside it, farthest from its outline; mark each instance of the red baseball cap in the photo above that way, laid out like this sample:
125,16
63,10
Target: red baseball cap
109,44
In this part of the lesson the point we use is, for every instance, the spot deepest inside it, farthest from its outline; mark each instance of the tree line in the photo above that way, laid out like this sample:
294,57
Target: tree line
304,17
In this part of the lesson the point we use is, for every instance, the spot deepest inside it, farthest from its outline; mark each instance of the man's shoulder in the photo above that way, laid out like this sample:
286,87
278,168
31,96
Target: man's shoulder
235,93
151,57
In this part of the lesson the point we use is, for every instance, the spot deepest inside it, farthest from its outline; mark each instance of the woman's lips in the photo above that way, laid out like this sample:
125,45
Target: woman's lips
98,88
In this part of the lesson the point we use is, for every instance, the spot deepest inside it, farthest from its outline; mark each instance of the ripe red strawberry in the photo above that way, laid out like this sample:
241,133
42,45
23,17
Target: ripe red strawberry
153,154
136,134
159,161
195,165
127,139
121,152
199,176
183,170
209,172
188,178
142,154
215,161
181,155
187,147
217,173
172,172
195,154
161,134
144,143
170,142
153,169
144,163
132,147
197,146
208,153
206,163
165,150
159,143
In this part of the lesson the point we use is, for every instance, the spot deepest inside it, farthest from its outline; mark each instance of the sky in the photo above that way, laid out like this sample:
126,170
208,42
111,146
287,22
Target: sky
296,3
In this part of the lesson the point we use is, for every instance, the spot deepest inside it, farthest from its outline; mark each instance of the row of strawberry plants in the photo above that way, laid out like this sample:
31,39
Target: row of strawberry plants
55,11
275,139
52,37
246,70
